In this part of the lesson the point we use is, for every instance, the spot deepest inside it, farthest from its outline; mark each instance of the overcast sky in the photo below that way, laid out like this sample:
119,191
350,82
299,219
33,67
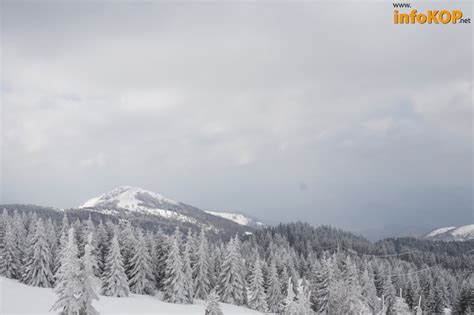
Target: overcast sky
326,113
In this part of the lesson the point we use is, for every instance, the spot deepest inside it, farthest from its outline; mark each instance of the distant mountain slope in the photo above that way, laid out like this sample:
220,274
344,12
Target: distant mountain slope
137,201
237,218
462,233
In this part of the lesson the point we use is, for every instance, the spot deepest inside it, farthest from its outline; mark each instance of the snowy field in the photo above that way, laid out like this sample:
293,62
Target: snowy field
17,298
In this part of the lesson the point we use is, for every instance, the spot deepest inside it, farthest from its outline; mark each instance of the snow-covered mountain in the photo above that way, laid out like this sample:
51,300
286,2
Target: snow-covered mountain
237,218
452,233
138,201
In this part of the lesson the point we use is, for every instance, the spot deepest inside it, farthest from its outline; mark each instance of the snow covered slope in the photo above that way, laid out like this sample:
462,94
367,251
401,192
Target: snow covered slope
138,201
439,231
462,233
17,298
237,218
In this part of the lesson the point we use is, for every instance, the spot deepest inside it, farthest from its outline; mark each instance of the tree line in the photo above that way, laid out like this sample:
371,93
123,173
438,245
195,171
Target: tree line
278,270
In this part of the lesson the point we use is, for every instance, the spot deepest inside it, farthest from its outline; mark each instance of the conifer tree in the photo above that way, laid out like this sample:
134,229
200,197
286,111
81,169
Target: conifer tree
368,290
320,287
400,306
127,243
102,244
256,297
302,301
201,270
289,305
213,307
68,285
174,290
90,283
38,271
10,258
231,285
162,248
4,221
274,295
141,281
187,271
114,281
20,237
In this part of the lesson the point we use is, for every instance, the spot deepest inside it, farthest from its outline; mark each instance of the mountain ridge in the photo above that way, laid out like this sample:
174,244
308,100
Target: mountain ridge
137,200
451,233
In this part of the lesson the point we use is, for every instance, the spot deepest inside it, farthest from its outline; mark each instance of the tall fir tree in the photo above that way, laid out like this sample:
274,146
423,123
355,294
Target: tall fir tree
141,281
90,283
102,244
10,263
38,271
201,270
231,284
187,269
173,284
114,281
289,305
274,295
256,297
69,287
127,243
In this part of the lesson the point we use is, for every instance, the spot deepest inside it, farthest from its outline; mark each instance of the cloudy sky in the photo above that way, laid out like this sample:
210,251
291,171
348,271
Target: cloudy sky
321,112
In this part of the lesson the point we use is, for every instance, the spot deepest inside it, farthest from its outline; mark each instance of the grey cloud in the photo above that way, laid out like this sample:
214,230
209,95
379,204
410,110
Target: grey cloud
237,105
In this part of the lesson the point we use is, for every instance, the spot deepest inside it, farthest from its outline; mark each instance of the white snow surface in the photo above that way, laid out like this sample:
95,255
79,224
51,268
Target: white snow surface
18,298
236,217
466,231
462,233
440,231
125,197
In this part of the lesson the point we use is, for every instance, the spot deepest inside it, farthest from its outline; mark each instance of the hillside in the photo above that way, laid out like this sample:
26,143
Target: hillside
452,233
134,202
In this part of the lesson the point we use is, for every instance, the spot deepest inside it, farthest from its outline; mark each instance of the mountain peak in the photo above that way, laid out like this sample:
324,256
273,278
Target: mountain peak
127,197
452,233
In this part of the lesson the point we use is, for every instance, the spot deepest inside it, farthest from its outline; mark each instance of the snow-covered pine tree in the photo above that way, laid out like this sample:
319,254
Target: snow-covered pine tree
256,297
302,301
162,247
4,220
69,287
289,305
213,307
389,293
369,292
10,259
400,307
231,284
127,243
114,281
320,287
90,283
52,239
187,271
102,237
21,242
201,270
38,271
173,284
141,281
62,243
273,286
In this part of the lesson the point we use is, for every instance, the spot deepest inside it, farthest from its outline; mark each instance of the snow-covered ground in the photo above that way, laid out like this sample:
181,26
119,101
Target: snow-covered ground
17,298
